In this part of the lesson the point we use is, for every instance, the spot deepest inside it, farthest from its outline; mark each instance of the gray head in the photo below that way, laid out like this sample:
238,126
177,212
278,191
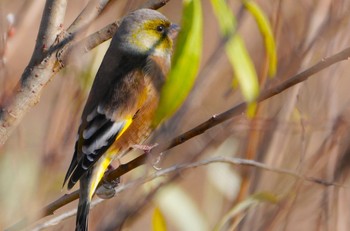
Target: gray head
146,32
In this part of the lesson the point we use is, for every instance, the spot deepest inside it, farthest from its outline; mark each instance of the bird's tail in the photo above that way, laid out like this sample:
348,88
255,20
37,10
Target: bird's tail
84,204
88,185
82,215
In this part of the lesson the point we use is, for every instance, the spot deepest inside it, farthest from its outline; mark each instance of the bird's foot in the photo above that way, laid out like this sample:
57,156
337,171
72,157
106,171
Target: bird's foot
107,188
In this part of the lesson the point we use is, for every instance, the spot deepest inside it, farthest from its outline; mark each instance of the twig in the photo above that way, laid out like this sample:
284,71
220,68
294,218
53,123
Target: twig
88,14
91,41
154,4
185,166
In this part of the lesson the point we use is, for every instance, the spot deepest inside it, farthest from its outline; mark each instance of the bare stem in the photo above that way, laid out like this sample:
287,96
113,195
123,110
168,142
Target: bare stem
87,15
154,4
185,166
50,27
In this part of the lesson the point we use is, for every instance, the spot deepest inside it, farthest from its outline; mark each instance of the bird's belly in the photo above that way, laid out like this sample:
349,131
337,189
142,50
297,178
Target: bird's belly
139,130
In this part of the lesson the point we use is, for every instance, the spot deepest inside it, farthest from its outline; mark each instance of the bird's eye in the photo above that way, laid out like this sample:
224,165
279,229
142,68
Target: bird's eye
160,29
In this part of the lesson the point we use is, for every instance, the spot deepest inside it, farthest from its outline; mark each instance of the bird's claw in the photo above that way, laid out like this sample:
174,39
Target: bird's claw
107,188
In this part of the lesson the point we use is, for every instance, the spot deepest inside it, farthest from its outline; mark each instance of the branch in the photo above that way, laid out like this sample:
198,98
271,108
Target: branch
154,4
89,13
98,37
185,166
89,43
50,27
43,64
37,73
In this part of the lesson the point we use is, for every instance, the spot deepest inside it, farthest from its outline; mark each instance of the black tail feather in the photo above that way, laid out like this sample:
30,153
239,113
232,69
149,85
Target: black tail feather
84,203
82,215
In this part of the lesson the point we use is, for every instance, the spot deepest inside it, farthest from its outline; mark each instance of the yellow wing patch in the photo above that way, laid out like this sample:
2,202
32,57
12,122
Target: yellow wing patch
103,163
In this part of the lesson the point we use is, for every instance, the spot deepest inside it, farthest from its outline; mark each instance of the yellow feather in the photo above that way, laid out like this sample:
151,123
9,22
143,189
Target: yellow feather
103,163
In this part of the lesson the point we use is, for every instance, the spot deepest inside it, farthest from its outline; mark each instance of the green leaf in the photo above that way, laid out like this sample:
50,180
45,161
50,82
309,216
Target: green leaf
227,22
158,220
265,29
185,64
236,51
250,202
243,68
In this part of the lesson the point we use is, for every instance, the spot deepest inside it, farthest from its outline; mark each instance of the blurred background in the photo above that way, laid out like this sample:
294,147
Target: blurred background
304,129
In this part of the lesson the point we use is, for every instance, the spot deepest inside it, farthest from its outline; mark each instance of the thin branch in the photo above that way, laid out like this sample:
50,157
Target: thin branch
88,14
154,4
99,37
89,43
50,27
185,166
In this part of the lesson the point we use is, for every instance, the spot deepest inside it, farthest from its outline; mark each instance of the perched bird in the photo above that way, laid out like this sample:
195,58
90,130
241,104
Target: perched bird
122,101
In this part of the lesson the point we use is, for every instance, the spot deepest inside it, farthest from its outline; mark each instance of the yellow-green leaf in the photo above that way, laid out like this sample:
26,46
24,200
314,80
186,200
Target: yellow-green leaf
251,109
243,67
158,220
185,63
238,56
250,202
265,29
227,22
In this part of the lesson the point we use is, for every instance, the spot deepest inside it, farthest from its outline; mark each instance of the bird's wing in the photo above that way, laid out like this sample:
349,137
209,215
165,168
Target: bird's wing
98,132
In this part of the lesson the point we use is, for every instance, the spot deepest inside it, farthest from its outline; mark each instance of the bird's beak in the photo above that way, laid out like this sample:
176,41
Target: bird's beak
173,31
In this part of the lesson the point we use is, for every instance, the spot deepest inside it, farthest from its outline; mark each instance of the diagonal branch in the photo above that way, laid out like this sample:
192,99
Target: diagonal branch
50,27
182,167
154,4
88,14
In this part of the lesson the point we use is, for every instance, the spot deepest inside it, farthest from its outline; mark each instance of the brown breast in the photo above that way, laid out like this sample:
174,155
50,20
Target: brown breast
140,128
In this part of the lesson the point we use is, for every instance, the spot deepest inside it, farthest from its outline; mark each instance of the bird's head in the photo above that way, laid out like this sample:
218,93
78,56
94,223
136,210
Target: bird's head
146,32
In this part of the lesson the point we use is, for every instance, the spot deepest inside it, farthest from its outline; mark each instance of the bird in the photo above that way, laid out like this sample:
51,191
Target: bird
122,101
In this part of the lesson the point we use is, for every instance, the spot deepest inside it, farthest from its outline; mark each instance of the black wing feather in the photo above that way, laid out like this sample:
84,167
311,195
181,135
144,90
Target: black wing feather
100,133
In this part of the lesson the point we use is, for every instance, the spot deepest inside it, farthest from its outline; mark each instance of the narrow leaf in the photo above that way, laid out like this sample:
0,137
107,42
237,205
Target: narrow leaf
243,67
227,22
236,51
265,29
186,62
